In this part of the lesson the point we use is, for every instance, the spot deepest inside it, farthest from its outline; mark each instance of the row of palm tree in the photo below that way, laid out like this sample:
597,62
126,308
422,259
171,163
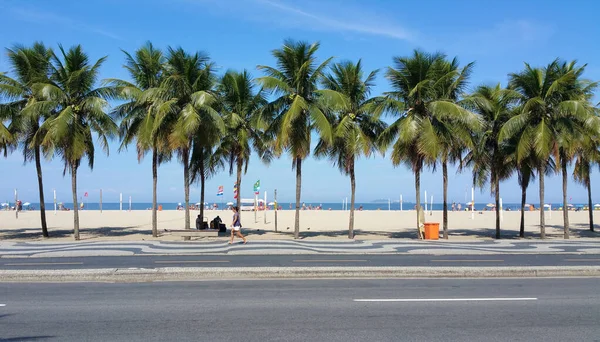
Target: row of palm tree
175,105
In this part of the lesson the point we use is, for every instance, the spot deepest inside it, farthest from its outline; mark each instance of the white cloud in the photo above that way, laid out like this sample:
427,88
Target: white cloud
32,15
506,36
313,15
351,22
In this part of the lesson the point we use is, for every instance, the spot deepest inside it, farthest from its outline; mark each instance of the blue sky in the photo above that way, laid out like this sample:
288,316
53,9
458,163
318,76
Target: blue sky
239,34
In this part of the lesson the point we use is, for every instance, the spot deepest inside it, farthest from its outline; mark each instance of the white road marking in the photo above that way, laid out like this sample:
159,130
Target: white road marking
467,260
2,304
331,260
43,263
189,261
443,299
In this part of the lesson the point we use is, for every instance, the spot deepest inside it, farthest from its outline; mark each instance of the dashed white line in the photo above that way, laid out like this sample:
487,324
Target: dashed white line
2,304
330,260
442,299
189,261
43,263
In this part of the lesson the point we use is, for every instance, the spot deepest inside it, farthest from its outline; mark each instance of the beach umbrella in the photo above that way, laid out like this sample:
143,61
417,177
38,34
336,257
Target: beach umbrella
271,203
5,204
198,203
26,204
490,205
179,203
229,203
548,205
596,205
569,205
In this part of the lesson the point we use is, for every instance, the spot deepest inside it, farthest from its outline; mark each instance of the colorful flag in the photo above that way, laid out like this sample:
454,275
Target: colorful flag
220,192
257,187
85,195
235,191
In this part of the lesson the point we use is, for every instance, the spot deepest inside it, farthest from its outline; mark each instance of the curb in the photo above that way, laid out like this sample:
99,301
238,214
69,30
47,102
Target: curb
239,273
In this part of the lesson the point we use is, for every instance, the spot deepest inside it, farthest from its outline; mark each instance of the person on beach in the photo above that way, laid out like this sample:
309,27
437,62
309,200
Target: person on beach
236,225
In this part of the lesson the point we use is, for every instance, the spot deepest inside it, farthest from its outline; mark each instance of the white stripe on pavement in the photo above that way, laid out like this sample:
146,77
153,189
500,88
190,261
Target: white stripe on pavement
2,304
442,299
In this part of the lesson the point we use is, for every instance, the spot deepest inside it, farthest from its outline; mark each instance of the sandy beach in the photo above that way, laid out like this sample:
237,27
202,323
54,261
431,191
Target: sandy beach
136,225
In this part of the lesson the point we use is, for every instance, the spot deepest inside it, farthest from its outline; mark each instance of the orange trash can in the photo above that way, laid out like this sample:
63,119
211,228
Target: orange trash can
432,231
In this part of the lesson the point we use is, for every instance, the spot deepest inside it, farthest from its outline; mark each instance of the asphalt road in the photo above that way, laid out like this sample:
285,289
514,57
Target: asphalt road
304,310
298,260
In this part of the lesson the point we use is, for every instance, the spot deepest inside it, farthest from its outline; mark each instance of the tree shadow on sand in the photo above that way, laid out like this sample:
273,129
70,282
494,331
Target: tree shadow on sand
85,233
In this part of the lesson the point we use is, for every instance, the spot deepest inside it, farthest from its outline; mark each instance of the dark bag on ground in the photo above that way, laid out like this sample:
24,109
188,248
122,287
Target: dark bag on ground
217,223
200,224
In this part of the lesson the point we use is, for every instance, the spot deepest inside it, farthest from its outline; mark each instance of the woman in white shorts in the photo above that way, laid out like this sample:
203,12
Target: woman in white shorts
236,225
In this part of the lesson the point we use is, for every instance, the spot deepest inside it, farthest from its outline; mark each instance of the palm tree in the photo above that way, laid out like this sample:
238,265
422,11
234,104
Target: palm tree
79,113
555,109
490,158
187,106
355,127
454,132
31,65
299,107
525,174
205,162
244,130
7,138
430,120
146,68
587,155
8,120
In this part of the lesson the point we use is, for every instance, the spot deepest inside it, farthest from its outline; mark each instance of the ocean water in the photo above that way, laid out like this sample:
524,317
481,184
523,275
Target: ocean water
284,206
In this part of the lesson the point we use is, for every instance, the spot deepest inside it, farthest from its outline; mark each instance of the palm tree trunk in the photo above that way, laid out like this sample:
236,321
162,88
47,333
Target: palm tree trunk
154,199
38,167
497,195
186,180
239,183
542,214
445,194
588,181
352,198
418,198
202,192
75,206
298,193
523,199
202,186
565,208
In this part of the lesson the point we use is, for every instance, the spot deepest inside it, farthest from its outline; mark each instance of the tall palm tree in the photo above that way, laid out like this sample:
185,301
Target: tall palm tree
79,113
454,132
299,107
7,138
555,108
429,119
138,114
205,162
525,174
8,120
187,106
240,106
490,158
30,65
355,127
587,155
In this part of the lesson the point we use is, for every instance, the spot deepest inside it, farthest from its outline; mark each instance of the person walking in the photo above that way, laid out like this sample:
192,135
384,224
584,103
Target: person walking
236,225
